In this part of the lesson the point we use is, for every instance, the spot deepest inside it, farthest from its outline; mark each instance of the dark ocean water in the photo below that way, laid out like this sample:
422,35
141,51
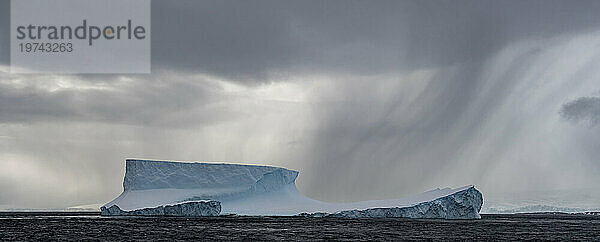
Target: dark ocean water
89,226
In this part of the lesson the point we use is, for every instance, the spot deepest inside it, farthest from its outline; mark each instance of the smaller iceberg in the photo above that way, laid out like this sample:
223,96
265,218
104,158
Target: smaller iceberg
464,204
186,209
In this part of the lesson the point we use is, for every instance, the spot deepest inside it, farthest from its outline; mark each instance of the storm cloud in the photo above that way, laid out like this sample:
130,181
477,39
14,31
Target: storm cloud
250,40
368,99
584,109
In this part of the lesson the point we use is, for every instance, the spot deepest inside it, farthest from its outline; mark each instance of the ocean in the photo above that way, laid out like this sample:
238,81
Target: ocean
91,226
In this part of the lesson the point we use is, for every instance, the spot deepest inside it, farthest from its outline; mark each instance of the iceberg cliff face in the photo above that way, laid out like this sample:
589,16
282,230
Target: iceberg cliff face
149,174
187,209
265,190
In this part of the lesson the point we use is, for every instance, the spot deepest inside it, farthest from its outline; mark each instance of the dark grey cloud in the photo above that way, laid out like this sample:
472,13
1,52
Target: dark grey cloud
135,100
247,40
582,110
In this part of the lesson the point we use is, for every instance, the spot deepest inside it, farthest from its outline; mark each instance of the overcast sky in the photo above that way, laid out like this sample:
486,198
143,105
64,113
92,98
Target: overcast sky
367,99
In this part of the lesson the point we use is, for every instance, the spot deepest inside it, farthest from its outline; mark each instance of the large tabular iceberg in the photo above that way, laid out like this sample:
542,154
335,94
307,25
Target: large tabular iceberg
150,185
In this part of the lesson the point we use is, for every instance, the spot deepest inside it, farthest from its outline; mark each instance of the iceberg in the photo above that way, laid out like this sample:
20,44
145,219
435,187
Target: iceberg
464,204
260,190
187,209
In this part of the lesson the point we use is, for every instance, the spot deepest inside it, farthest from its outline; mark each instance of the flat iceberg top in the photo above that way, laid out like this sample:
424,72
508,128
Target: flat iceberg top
152,174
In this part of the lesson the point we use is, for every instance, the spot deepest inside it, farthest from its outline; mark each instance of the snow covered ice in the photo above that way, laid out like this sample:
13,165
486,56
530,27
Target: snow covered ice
189,209
464,204
266,190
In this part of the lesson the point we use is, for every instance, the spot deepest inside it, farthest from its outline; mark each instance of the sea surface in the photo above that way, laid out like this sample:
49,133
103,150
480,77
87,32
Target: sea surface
91,226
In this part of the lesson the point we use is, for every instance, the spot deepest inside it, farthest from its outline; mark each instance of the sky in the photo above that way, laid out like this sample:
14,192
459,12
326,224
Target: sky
367,99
